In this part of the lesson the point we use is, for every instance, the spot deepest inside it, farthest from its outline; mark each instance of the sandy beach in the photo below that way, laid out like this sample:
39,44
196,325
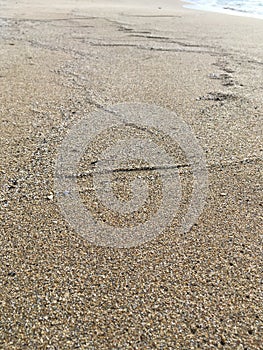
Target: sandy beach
200,289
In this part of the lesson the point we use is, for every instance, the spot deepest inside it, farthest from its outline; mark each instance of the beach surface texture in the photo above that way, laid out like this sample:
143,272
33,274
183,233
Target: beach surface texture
192,82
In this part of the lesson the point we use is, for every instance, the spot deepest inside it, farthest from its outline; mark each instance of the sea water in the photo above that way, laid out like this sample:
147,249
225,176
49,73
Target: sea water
249,8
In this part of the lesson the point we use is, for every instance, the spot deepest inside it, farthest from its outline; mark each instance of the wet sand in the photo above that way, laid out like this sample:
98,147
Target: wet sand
200,290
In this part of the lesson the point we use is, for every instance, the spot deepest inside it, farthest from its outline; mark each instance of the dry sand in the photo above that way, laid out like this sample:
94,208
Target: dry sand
60,60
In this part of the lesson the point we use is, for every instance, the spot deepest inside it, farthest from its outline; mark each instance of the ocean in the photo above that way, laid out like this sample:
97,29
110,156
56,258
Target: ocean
249,8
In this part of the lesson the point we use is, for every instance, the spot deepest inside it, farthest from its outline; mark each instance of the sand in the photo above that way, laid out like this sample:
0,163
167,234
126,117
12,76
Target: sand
62,60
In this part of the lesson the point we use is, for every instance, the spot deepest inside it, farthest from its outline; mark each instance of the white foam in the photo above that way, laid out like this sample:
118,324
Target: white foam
246,8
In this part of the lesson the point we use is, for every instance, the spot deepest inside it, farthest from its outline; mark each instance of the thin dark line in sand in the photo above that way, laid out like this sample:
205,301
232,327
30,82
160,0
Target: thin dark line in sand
170,40
45,20
125,170
141,47
151,16
161,168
